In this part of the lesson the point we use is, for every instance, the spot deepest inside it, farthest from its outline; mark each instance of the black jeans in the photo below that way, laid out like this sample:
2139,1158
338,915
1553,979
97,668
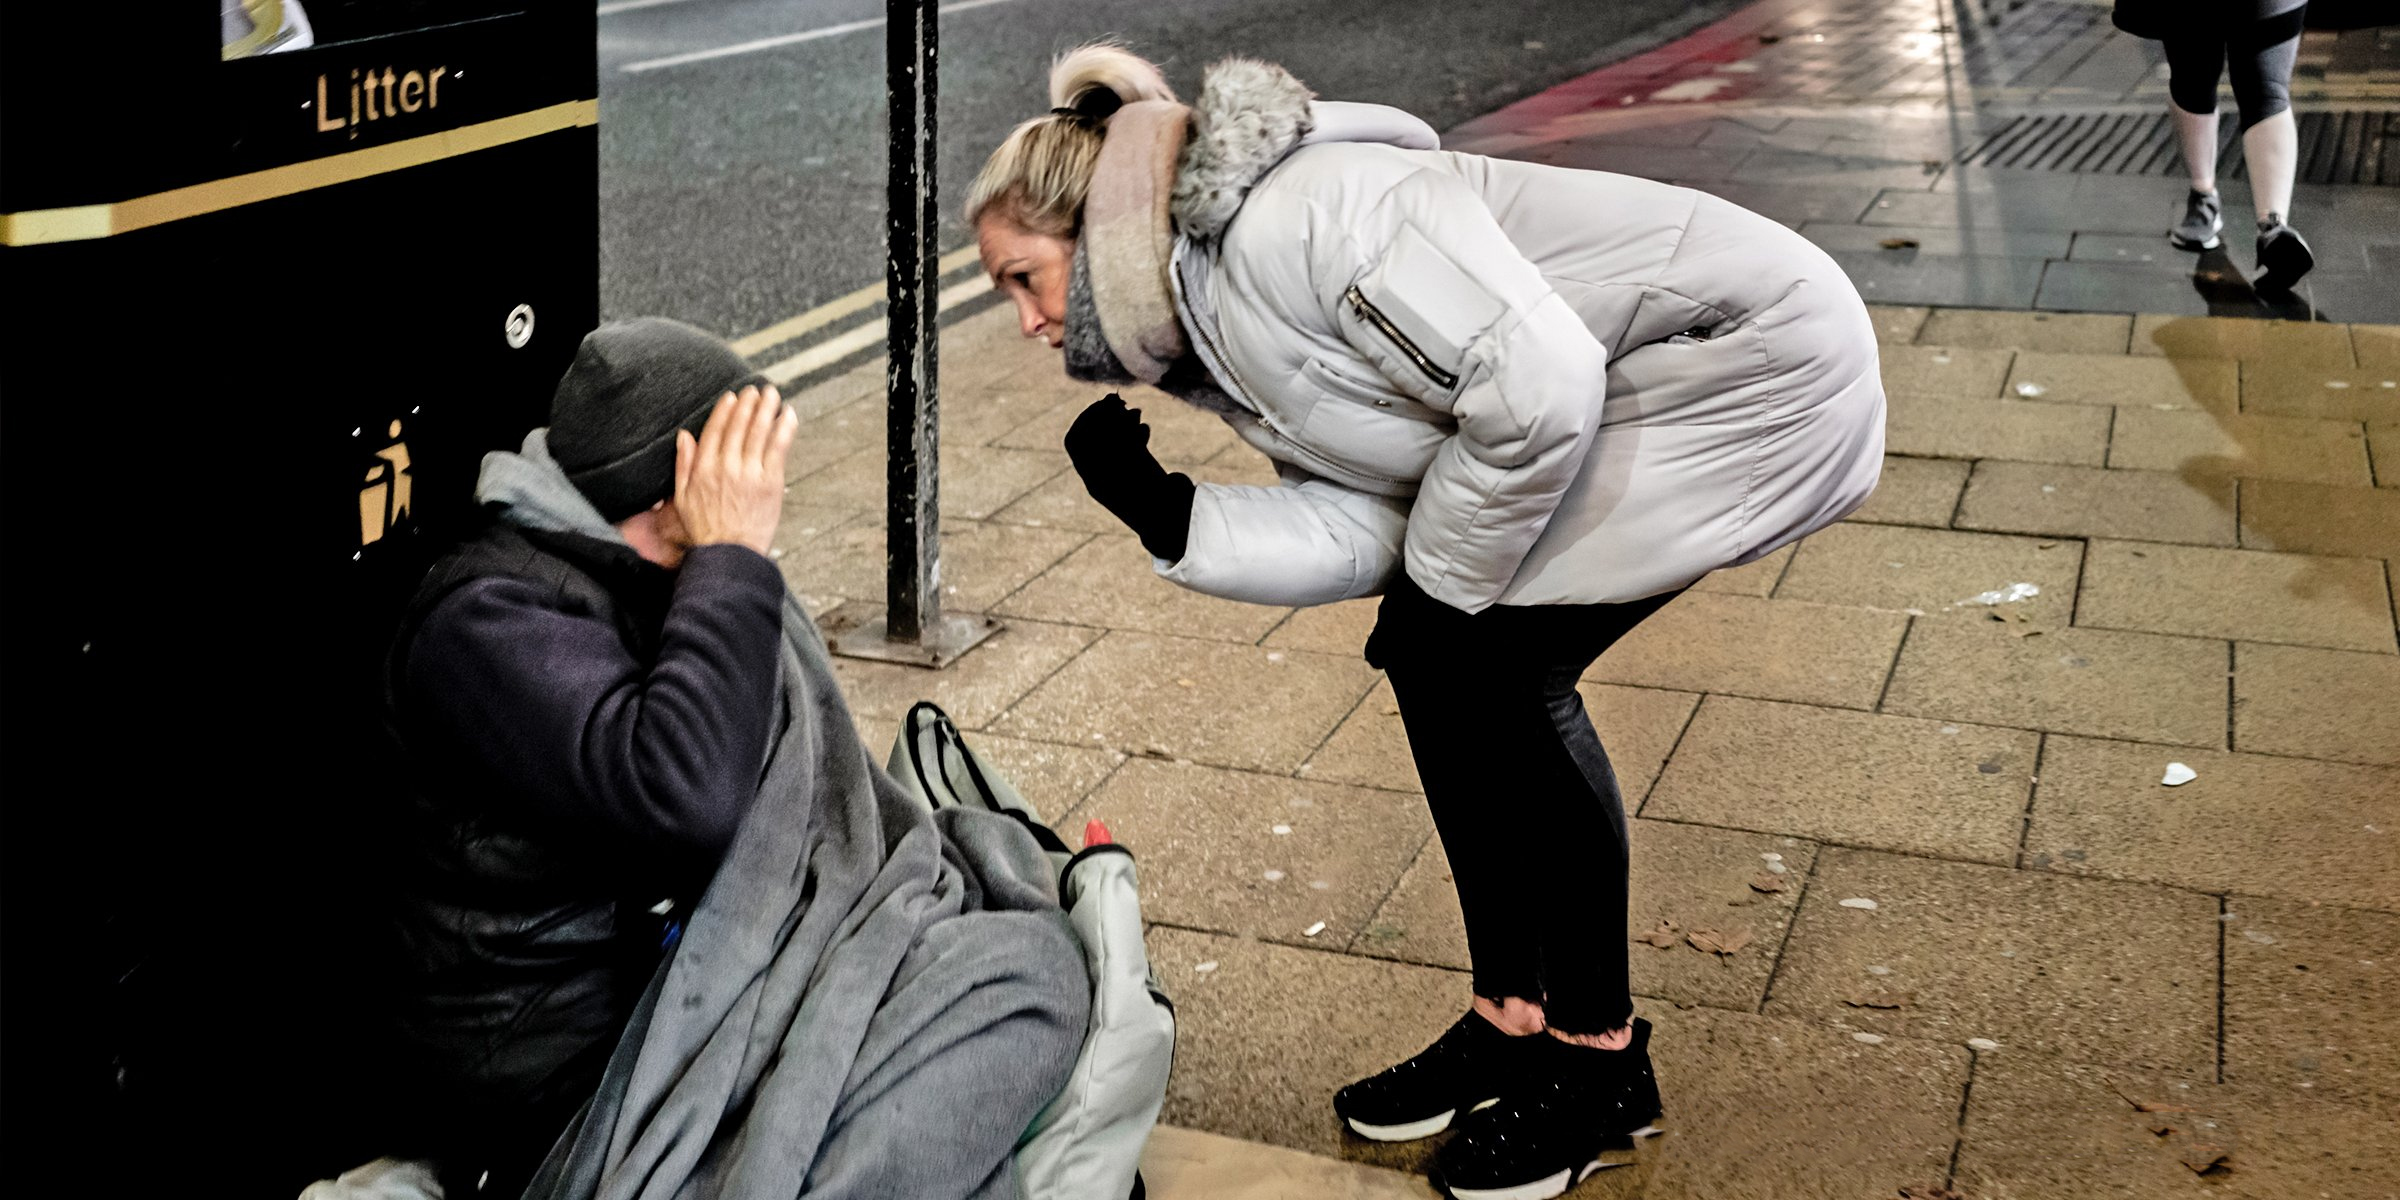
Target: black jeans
2259,55
1521,791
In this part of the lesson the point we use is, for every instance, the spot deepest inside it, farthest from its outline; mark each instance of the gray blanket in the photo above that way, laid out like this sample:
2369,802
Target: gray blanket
870,999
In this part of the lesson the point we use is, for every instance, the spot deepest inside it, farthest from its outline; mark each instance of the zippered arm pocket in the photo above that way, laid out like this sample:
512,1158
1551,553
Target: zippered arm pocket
1443,378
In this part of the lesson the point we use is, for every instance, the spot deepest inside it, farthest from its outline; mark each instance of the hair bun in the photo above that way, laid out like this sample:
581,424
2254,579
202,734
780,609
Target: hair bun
1097,79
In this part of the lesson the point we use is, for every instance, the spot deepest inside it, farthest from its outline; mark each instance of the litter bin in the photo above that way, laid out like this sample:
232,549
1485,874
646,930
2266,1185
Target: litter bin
277,276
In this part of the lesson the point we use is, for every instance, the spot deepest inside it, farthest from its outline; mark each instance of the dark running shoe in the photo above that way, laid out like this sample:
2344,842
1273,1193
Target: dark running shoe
2283,256
1467,1067
2203,216
1581,1115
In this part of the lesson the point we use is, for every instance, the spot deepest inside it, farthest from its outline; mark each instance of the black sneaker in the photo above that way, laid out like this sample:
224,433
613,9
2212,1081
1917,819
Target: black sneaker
1464,1069
1539,1141
2283,256
2203,216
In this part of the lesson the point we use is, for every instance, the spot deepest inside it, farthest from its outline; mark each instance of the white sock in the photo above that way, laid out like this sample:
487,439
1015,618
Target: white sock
2196,136
2273,148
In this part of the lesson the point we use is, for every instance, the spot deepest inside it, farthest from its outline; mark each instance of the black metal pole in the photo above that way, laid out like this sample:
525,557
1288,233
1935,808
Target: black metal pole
912,480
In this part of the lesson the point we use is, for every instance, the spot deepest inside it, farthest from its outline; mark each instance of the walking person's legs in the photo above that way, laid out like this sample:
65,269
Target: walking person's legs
2194,65
2261,58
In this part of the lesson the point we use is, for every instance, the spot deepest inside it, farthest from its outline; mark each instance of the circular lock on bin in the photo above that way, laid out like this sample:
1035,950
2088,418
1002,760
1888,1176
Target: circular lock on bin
519,329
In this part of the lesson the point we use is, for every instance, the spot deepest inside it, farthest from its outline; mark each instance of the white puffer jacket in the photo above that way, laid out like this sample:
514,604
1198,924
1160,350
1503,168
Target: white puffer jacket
1531,385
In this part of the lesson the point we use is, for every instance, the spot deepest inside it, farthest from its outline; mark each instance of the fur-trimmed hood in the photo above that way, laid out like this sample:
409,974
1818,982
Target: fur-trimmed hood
1249,115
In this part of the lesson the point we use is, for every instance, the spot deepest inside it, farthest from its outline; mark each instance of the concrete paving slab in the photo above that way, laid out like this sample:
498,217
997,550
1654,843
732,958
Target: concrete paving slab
1763,1107
1060,503
1936,240
1257,855
2288,343
1692,876
1860,779
2107,287
2385,443
1915,277
977,481
1794,205
2253,595
1638,726
2053,209
2376,346
2081,502
975,689
2312,703
1243,707
1187,1164
2030,333
982,410
2197,383
1750,579
2038,1126
1328,628
2251,823
982,561
2317,518
1109,582
2128,248
2090,681
1258,1054
1897,324
2252,447
1914,491
1937,572
2301,1007
2094,970
2022,430
1769,649
2333,393
1949,371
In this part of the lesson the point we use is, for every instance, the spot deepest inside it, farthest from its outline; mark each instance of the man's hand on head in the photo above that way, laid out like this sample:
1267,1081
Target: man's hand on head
729,480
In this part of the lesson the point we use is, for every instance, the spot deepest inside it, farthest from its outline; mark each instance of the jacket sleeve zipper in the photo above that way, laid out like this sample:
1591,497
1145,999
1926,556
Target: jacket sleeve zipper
1372,315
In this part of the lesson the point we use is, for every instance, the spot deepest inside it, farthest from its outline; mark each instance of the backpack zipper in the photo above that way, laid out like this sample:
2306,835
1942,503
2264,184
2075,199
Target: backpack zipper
1372,315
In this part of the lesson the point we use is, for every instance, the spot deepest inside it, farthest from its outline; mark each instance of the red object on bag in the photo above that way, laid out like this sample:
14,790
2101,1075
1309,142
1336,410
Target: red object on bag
1096,834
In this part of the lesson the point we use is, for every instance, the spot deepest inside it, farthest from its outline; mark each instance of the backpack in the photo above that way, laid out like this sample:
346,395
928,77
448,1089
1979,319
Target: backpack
1087,1144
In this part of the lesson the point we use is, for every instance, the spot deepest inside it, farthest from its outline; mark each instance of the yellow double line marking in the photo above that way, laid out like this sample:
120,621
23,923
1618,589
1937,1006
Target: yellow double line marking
87,221
872,333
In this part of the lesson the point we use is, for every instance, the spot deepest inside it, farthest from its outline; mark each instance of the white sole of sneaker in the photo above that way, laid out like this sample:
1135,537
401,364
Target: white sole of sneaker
1412,1130
1550,1186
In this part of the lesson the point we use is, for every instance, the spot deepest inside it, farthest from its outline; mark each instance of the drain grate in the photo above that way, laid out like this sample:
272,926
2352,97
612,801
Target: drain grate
2352,146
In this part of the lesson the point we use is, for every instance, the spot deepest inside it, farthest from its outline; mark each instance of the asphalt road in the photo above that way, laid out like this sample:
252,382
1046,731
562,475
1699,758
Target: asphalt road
740,190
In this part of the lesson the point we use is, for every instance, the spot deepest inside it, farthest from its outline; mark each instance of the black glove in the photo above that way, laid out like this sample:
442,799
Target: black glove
1110,448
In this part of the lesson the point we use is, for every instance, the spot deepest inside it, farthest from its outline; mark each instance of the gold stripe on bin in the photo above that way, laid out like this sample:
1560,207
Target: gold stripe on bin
87,221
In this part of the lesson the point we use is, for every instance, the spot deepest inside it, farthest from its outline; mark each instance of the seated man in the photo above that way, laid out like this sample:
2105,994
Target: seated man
624,748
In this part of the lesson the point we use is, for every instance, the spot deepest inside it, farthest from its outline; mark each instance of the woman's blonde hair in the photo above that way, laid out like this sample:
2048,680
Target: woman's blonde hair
1039,176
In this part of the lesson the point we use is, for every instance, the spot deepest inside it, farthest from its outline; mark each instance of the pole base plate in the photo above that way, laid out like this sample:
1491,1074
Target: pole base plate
943,643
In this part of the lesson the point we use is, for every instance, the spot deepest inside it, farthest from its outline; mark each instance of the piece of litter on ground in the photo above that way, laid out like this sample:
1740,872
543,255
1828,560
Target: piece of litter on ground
1205,968
1273,876
2201,1156
1391,710
1983,1043
2011,594
1280,830
1185,683
1878,998
1320,885
1872,1039
1879,970
2337,383
1898,243
1771,856
2030,389
1766,881
1664,937
2261,937
2045,545
1777,867
1859,902
2049,487
1275,656
2229,916
2178,775
1537,46
1718,942
1313,930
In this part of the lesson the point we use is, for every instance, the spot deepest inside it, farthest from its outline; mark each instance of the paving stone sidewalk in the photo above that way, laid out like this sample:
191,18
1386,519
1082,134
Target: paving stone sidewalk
2210,509
2001,153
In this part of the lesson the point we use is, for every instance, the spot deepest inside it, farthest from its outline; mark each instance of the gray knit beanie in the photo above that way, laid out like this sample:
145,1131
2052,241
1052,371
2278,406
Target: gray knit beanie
631,386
